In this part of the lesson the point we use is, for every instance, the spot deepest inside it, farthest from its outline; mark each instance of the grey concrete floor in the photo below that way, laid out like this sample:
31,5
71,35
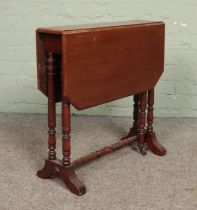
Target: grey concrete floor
123,180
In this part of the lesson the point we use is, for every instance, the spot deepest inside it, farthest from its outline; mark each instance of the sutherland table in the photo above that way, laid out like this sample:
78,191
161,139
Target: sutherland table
89,65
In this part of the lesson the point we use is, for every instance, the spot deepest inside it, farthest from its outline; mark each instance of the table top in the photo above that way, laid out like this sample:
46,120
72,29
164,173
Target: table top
62,29
106,61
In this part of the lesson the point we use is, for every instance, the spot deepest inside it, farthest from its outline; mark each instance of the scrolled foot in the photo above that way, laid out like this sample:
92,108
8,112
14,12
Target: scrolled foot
46,171
67,174
154,145
72,182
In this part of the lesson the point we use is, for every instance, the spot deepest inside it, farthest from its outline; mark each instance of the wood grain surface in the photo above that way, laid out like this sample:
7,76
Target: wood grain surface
102,63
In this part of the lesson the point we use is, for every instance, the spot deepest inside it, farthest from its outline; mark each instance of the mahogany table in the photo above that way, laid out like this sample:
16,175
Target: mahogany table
88,65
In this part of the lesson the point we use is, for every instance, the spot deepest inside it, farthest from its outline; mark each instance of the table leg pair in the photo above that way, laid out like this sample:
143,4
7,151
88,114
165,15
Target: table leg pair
62,169
65,169
146,136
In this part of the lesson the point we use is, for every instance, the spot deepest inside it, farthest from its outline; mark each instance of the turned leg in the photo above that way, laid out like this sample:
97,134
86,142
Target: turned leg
134,130
51,107
150,136
67,172
43,173
66,133
150,112
142,121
